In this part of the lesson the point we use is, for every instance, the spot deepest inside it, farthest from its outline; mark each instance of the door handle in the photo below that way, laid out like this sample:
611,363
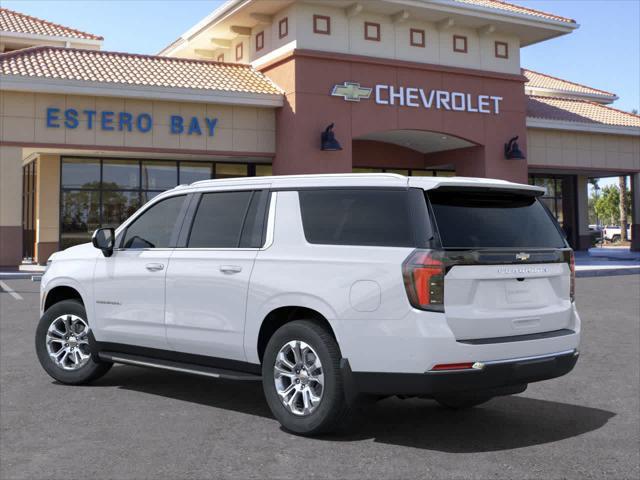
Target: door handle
230,269
154,267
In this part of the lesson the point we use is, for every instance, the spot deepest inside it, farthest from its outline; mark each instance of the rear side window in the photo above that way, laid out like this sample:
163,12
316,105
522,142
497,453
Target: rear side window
155,227
375,217
229,220
476,219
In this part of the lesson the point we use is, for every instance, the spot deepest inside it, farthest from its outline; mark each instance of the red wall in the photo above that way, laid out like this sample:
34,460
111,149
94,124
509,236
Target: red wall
308,78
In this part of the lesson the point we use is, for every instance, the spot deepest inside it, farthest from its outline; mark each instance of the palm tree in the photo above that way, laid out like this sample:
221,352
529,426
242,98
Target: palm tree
623,207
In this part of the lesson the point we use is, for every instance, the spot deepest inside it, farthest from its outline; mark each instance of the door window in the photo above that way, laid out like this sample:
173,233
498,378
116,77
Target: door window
155,227
229,220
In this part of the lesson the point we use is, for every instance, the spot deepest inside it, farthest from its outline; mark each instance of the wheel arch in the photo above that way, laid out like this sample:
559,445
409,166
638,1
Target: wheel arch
285,314
59,293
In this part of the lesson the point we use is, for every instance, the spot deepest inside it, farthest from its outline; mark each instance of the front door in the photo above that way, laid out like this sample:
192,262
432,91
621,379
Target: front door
208,279
129,286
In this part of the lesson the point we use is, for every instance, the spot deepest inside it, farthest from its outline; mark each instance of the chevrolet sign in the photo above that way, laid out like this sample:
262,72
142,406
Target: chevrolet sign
416,97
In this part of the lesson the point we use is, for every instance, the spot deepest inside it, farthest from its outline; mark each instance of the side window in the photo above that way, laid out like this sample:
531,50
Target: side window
377,217
154,228
229,220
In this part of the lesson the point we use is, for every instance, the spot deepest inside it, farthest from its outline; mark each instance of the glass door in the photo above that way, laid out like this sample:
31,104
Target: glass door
29,212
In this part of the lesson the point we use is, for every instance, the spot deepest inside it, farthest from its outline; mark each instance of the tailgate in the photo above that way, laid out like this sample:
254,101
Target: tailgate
486,301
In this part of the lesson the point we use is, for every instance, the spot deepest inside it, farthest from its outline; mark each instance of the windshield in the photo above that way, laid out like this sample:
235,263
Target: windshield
481,219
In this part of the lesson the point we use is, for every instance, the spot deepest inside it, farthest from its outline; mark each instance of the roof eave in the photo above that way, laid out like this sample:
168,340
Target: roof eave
50,38
145,92
551,124
554,92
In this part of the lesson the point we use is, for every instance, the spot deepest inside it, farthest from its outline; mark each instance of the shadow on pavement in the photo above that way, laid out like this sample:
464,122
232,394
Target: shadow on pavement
502,424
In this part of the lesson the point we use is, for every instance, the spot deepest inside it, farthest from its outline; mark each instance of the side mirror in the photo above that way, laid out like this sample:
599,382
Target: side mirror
104,239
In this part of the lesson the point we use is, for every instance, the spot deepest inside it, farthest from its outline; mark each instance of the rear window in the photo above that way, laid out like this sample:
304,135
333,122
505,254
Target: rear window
493,219
369,217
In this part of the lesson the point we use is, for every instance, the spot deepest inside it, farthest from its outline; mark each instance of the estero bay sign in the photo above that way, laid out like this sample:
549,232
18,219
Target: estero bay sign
107,120
418,97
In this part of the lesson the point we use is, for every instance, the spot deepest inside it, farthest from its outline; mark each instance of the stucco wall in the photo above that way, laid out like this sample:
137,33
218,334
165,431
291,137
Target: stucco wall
565,149
23,119
347,36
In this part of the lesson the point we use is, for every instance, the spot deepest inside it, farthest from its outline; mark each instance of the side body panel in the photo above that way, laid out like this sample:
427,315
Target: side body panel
343,283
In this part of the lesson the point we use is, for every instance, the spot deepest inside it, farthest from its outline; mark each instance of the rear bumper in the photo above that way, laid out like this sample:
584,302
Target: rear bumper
497,377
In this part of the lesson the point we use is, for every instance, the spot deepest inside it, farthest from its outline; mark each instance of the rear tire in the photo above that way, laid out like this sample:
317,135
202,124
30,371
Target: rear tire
62,345
306,394
456,402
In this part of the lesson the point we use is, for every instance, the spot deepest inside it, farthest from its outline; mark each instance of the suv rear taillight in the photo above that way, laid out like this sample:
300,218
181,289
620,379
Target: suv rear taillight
423,274
572,267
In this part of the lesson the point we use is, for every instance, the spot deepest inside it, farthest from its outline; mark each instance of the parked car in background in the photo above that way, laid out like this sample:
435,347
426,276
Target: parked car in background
612,233
324,288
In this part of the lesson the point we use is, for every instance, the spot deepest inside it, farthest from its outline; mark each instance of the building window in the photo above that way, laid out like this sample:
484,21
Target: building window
98,193
322,25
552,197
283,27
372,31
502,50
239,51
259,41
416,37
221,57
460,44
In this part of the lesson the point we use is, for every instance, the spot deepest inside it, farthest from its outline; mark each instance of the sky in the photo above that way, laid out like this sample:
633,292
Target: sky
604,52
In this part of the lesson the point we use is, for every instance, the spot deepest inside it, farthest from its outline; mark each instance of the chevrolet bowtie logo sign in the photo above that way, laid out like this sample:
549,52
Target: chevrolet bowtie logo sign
351,92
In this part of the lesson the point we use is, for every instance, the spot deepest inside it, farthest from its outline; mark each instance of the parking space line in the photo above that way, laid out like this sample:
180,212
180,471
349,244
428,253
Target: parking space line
10,291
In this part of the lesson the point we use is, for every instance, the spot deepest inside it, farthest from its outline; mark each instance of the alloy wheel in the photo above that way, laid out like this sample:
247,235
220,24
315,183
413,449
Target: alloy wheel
68,342
299,377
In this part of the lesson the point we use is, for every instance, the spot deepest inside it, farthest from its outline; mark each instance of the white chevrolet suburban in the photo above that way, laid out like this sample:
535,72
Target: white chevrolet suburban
326,288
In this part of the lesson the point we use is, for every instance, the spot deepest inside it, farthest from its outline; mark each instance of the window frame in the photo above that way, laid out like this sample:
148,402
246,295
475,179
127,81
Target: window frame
195,201
316,25
496,45
378,28
173,239
464,38
420,32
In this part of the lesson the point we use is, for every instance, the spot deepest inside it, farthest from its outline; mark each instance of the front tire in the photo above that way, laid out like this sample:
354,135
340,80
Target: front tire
62,345
302,380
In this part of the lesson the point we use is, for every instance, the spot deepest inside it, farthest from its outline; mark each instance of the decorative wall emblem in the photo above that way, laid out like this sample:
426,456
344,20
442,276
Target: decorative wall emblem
351,91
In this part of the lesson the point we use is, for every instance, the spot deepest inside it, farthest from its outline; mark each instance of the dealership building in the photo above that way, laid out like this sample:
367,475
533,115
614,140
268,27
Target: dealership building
417,87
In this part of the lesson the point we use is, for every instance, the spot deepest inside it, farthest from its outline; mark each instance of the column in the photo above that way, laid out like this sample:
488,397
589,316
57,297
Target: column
47,207
582,204
10,206
635,210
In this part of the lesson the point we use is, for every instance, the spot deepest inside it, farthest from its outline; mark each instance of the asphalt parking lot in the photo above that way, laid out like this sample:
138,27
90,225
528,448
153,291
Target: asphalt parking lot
136,423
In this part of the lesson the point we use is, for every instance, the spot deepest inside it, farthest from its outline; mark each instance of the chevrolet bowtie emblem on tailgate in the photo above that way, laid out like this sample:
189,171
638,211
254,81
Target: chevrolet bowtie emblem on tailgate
522,256
351,91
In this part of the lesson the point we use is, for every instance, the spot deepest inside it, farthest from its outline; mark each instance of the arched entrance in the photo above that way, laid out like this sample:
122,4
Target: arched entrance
416,151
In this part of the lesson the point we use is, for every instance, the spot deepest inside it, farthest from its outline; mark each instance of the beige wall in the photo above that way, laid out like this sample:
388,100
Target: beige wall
48,201
565,149
10,186
239,129
347,36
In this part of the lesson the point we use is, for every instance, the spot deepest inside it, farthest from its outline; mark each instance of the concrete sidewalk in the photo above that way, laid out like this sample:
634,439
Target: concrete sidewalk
607,261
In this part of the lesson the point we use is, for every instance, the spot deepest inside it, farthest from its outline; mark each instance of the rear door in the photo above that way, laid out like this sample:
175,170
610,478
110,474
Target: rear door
208,276
509,272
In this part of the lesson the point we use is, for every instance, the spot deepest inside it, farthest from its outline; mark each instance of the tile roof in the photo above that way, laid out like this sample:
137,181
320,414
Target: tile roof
11,21
511,8
541,80
580,111
134,70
